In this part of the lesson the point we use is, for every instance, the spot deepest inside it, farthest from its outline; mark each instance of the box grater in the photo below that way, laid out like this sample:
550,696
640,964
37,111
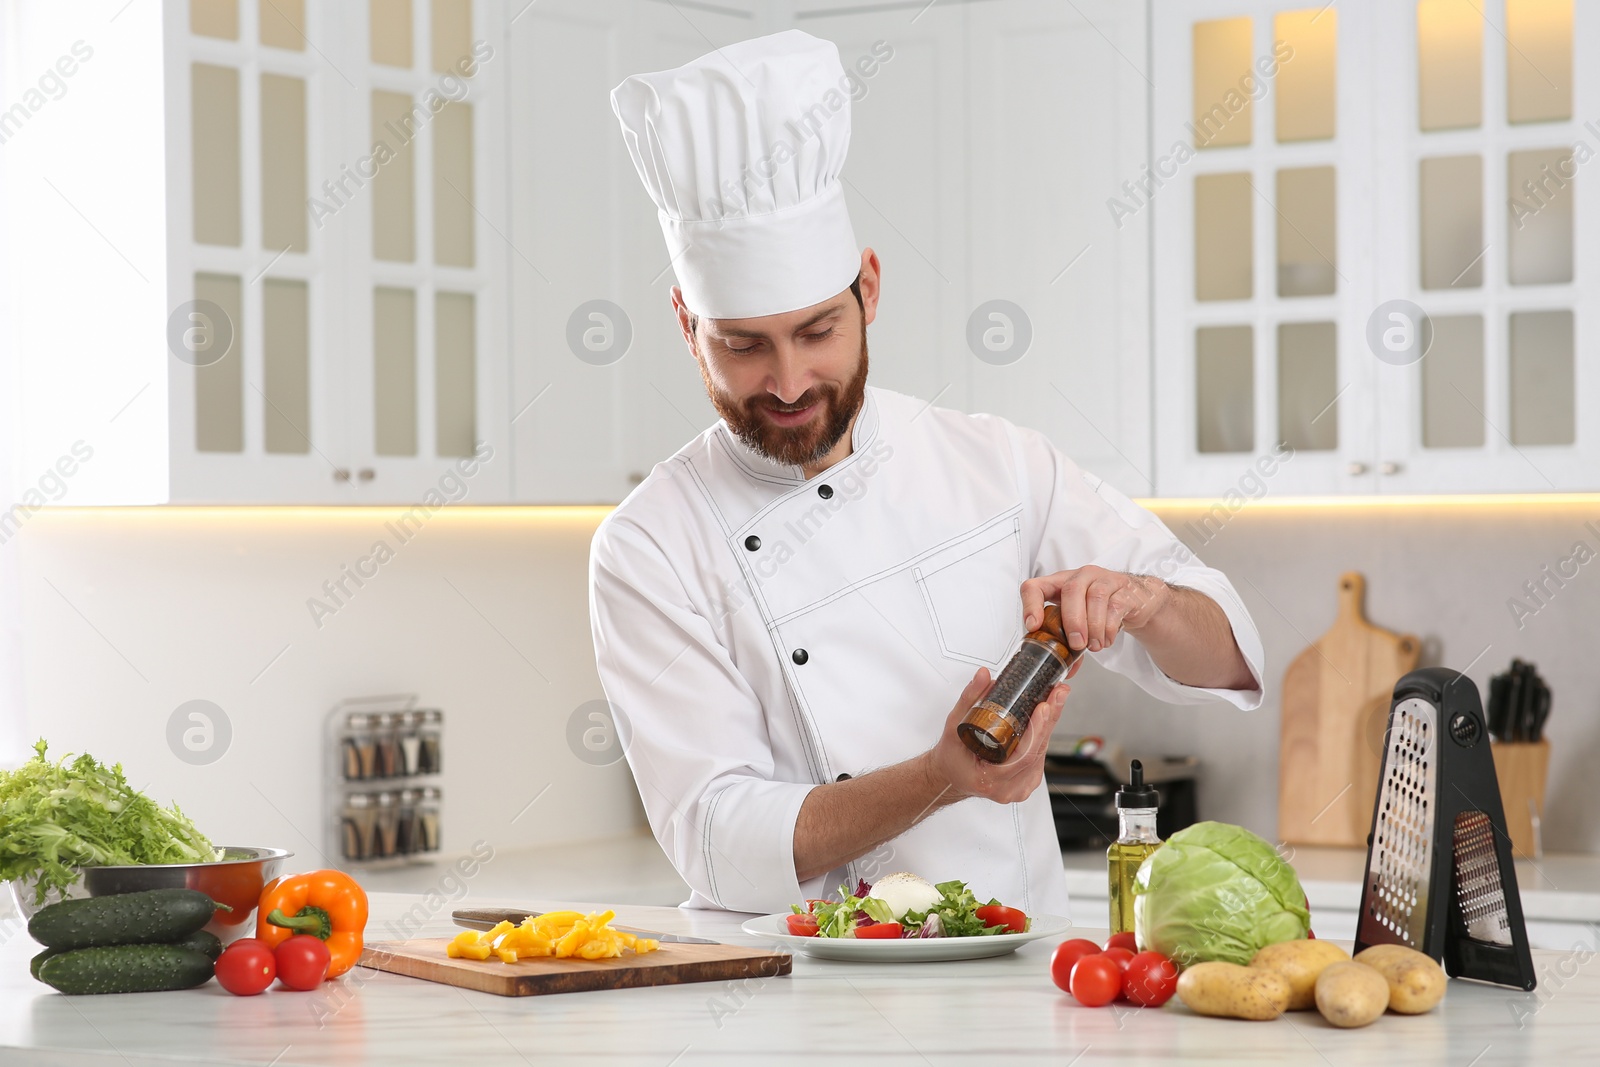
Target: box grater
1439,876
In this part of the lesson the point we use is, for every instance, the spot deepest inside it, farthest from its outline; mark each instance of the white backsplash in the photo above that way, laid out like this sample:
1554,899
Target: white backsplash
131,612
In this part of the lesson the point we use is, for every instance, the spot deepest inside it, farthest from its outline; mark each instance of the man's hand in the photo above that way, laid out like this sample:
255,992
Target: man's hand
960,773
1096,604
1186,633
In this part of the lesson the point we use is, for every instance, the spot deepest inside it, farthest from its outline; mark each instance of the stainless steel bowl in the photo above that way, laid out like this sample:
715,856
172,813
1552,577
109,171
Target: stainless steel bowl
236,880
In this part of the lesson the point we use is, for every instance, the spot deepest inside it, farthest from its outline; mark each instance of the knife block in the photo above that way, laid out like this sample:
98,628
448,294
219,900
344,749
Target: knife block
1522,767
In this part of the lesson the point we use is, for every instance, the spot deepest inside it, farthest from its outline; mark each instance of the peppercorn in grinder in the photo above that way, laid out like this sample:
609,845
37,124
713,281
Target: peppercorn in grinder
997,722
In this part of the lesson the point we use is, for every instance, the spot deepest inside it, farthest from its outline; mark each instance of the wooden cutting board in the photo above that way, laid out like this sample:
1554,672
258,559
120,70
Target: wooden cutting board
671,964
1336,697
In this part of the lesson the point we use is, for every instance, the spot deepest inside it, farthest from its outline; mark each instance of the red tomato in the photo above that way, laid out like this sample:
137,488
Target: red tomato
1012,919
1311,935
1150,979
246,967
880,931
803,925
302,961
1123,940
1121,955
1066,954
1096,981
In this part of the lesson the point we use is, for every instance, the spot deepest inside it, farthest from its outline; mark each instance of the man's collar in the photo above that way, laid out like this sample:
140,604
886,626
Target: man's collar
862,434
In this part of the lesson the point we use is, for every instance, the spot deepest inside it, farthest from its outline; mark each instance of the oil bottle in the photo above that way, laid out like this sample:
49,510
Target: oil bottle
1136,839
995,724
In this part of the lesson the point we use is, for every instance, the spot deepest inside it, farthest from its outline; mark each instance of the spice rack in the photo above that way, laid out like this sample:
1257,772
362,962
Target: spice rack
382,782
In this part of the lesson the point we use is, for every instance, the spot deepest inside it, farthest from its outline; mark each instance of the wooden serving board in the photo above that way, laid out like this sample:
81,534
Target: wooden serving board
1336,697
671,964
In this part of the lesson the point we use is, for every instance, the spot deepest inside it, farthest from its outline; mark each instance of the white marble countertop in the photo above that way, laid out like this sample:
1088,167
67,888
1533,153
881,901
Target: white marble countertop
930,1013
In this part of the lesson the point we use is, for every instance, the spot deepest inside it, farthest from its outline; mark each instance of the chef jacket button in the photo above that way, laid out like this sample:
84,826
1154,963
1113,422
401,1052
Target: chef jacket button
800,656
752,542
825,492
842,778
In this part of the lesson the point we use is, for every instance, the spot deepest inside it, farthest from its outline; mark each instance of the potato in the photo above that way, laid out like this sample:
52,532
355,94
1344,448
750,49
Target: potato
1416,981
1234,992
1300,962
1351,994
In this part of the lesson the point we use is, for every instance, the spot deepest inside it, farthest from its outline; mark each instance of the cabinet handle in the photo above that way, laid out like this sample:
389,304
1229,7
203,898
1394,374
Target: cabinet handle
635,477
1389,466
1356,468
340,474
366,474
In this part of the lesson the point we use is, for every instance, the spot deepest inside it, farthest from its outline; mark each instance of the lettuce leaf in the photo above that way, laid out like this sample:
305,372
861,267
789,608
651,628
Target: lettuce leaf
839,919
55,817
957,912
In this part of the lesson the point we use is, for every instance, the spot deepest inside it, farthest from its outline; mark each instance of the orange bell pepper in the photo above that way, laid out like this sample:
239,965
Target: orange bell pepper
327,904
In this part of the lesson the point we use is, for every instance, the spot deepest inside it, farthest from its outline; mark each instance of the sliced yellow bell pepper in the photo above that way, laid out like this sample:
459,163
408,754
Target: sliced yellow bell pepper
562,934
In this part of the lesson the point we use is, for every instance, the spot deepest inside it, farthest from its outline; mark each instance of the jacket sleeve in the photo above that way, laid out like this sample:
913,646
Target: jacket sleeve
692,729
1078,520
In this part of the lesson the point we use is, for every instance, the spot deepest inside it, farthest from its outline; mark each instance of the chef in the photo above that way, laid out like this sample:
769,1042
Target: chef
792,613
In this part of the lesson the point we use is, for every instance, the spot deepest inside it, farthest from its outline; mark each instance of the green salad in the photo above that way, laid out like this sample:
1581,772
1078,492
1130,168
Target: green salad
905,906
55,817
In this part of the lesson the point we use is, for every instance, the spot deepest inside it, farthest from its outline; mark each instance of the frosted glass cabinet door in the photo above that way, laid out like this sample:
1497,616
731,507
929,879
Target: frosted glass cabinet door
427,367
1412,168
1263,246
1491,243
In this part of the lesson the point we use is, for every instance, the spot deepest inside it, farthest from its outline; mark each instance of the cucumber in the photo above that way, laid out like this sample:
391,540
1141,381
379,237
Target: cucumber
155,915
204,942
38,961
126,969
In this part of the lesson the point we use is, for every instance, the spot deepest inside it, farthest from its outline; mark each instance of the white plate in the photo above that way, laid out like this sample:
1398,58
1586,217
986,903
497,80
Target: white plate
905,950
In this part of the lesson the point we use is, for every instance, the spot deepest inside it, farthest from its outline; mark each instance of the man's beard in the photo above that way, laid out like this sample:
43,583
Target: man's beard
793,445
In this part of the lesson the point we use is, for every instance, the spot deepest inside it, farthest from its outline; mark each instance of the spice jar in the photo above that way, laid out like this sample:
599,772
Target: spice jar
997,722
386,841
356,827
360,749
429,759
428,820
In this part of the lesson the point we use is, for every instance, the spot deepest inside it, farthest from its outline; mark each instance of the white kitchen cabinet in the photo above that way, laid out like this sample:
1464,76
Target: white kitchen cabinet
952,169
1321,163
1056,123
603,385
227,151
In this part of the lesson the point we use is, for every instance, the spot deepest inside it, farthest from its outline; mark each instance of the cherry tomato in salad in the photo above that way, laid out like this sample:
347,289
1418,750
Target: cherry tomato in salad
1120,955
246,967
1012,919
1150,979
1096,981
1123,940
1066,954
802,925
880,931
302,961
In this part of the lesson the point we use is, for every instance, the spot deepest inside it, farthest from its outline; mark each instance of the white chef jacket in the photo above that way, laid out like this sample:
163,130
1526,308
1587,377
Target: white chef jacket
758,633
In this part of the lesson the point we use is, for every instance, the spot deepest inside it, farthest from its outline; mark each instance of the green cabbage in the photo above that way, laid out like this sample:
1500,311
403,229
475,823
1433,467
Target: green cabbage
55,817
1216,892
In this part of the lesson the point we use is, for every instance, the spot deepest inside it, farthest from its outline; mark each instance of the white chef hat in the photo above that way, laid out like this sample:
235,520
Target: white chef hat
741,151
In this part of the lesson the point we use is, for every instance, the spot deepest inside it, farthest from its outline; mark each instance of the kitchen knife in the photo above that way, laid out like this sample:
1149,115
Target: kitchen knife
1530,701
1499,687
1541,712
1514,702
489,918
